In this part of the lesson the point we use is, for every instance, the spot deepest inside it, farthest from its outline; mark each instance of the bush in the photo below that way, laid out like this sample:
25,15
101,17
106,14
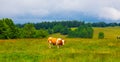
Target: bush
101,35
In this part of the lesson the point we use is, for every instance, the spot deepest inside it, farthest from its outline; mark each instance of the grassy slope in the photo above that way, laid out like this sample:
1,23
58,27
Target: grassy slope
75,49
110,32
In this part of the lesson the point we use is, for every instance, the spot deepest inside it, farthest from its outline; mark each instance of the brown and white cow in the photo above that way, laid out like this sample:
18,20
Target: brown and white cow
55,41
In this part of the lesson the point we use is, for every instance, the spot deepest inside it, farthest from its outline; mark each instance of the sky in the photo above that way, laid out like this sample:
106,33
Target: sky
22,11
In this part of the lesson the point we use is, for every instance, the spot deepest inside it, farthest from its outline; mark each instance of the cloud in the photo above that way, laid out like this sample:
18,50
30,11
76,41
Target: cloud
106,9
110,13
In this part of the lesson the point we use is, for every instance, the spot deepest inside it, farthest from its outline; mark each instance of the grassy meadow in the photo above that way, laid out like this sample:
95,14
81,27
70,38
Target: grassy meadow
74,50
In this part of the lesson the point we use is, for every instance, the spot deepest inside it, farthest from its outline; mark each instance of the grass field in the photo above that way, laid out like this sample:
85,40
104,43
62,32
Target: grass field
74,50
110,32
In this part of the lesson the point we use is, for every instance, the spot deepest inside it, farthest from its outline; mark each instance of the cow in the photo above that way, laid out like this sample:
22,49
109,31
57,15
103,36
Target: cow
55,41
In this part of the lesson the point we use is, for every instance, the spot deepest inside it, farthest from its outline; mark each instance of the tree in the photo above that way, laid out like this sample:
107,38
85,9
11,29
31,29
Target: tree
101,35
3,30
65,31
50,31
7,29
42,33
83,31
29,30
57,28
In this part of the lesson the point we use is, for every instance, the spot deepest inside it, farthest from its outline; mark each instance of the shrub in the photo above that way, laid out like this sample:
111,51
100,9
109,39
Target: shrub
101,35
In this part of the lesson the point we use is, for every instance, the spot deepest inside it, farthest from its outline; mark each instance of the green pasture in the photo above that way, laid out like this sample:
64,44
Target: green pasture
110,32
74,50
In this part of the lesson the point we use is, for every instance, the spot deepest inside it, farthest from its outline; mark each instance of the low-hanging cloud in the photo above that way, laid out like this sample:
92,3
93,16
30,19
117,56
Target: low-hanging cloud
106,9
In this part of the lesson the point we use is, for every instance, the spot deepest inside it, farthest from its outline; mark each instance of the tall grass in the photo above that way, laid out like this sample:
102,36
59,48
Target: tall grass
110,32
75,50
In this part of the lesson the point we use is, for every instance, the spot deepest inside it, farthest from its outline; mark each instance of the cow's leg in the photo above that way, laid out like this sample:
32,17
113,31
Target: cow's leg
58,46
49,45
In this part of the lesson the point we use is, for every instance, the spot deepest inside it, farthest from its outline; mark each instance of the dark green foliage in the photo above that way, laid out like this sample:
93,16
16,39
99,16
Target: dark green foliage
42,33
114,24
83,31
29,30
47,25
50,31
69,24
8,30
64,31
101,35
20,33
57,28
99,24
103,24
61,29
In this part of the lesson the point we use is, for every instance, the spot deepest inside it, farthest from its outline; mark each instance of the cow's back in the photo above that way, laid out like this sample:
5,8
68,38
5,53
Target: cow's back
54,41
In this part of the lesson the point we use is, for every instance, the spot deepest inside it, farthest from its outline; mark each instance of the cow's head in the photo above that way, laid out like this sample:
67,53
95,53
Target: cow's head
49,39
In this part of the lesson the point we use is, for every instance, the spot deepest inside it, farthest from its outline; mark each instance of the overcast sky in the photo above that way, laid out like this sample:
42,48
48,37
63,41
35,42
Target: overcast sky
102,9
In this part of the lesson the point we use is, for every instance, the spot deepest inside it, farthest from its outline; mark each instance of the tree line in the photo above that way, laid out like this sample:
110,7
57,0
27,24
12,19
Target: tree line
47,25
9,30
69,24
